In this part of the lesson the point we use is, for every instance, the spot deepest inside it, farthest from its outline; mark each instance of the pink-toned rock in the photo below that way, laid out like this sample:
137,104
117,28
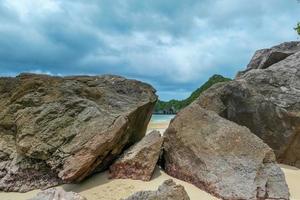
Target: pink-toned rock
139,161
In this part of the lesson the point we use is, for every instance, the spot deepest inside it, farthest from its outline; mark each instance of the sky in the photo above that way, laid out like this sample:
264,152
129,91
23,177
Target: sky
175,45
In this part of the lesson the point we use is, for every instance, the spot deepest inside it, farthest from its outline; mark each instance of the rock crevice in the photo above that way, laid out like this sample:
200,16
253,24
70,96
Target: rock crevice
267,101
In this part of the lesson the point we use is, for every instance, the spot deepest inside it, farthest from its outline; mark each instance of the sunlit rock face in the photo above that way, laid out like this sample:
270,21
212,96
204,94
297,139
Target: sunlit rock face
62,129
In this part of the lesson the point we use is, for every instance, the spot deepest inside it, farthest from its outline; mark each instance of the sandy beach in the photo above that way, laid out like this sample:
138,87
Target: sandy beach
160,126
99,187
159,122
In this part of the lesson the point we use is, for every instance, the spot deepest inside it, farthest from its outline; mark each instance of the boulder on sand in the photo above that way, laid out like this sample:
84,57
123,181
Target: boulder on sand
167,191
221,157
267,101
62,129
139,161
57,194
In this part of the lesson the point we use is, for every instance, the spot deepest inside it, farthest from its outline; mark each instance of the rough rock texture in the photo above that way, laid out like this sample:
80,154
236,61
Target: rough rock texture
264,58
221,157
167,191
139,161
62,129
267,101
57,194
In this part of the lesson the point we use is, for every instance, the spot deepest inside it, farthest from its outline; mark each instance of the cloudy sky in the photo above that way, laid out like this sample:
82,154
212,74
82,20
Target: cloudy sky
175,45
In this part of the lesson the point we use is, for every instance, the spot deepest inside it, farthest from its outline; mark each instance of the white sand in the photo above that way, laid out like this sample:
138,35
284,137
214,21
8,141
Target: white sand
99,187
292,176
160,126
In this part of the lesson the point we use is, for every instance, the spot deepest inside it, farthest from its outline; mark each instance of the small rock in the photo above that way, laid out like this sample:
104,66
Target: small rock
167,191
57,194
139,161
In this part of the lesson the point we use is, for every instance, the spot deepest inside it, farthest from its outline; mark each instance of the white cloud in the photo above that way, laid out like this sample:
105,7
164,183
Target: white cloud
28,9
175,45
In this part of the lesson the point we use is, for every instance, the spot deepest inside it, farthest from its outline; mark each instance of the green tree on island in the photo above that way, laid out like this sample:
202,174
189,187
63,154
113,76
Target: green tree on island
297,28
173,106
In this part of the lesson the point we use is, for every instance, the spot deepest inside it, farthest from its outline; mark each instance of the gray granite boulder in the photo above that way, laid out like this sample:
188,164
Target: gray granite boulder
267,101
62,129
264,58
221,157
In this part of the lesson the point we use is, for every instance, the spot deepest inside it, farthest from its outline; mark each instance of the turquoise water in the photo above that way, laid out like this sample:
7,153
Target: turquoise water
161,118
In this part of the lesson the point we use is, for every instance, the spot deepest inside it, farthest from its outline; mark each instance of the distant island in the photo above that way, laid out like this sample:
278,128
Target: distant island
173,106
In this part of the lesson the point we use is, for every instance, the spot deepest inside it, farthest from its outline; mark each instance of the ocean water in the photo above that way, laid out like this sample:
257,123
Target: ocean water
161,118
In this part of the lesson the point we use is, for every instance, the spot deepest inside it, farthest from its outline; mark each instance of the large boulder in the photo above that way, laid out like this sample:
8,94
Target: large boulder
139,161
267,101
264,58
57,194
221,157
167,191
62,129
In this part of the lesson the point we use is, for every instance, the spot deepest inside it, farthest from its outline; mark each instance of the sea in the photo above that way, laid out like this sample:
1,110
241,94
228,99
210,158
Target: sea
161,118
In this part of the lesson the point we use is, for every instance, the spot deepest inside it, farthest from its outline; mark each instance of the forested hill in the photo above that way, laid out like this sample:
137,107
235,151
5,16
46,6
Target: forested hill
173,106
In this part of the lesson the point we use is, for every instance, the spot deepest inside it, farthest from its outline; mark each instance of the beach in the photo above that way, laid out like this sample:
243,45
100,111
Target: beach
99,187
159,122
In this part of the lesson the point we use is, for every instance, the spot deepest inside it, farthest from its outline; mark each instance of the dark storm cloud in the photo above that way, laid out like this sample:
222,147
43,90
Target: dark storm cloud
175,45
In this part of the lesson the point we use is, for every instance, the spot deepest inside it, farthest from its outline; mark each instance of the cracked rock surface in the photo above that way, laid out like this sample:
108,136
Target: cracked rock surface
61,129
221,157
267,101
